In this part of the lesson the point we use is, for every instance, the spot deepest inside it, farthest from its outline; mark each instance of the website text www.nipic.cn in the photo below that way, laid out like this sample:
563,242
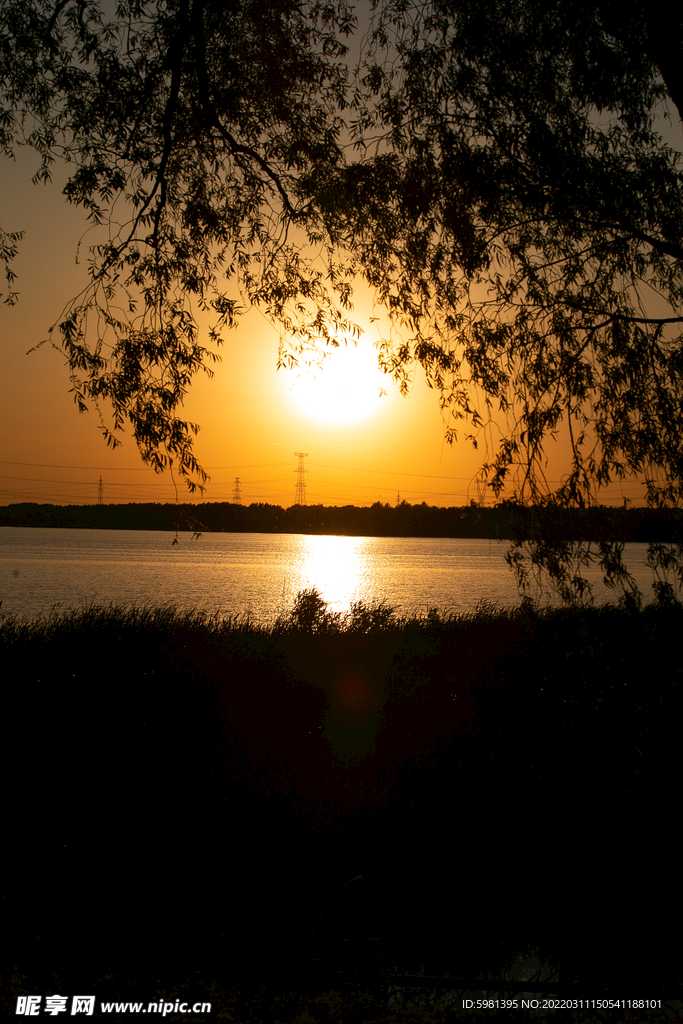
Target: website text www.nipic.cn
33,1006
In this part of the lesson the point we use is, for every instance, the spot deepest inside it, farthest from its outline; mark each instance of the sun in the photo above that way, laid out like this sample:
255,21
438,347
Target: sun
346,388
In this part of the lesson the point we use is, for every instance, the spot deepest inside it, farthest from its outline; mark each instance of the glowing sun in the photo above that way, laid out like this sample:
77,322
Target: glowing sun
346,388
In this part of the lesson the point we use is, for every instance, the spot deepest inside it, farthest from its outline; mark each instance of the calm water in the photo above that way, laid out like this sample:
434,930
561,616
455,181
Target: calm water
258,573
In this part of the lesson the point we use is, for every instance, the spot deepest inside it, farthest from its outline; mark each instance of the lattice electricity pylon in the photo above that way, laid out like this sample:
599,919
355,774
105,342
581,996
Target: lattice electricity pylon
300,491
237,492
100,492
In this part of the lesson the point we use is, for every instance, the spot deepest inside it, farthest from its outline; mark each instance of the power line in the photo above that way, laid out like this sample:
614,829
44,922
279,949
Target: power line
261,465
57,465
137,469
268,490
391,472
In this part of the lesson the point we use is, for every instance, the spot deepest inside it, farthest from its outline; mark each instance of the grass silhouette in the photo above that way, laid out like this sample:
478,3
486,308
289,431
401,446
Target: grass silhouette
247,804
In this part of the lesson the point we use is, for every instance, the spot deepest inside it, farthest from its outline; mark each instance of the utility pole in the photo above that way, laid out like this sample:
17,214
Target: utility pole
300,491
100,491
237,492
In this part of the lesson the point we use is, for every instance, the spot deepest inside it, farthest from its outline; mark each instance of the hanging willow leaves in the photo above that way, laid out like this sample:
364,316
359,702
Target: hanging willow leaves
521,215
505,176
195,132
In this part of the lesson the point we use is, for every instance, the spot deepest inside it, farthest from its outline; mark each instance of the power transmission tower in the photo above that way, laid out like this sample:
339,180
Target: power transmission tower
237,492
300,491
398,497
100,492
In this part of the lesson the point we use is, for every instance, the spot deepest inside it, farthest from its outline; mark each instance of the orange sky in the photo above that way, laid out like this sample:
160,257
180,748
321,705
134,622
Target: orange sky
253,418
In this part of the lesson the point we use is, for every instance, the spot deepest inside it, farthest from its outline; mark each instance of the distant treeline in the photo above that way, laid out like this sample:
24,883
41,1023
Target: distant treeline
404,520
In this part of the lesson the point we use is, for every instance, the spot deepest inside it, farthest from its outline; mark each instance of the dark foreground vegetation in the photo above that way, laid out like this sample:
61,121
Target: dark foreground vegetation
214,810
504,521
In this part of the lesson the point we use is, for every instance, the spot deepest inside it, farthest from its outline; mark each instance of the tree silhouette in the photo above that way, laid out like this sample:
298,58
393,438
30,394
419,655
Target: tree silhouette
501,174
531,239
197,132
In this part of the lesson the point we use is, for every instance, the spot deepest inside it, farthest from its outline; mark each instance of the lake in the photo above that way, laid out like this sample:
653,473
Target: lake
43,568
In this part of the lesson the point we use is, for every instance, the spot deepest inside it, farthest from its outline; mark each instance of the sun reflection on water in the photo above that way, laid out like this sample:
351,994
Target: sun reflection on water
340,568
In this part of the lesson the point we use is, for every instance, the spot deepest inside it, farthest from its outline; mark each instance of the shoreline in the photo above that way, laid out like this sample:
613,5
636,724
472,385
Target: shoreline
498,522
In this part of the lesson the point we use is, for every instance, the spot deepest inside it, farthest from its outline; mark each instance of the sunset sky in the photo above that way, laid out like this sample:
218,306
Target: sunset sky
361,447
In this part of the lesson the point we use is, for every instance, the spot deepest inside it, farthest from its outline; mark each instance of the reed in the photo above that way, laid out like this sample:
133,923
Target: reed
212,786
